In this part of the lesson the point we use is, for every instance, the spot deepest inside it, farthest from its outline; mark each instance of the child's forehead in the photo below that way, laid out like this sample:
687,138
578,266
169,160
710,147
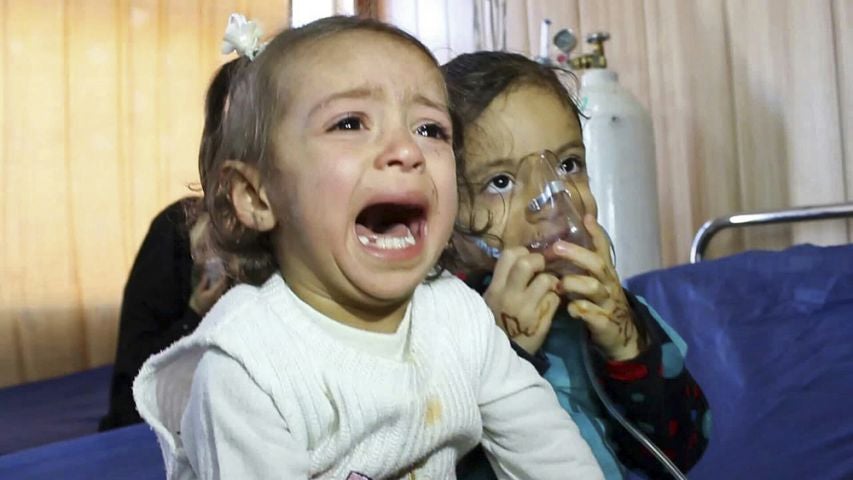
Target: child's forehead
520,121
373,64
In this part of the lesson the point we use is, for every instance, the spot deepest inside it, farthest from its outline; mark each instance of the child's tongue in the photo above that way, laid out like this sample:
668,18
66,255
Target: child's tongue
395,230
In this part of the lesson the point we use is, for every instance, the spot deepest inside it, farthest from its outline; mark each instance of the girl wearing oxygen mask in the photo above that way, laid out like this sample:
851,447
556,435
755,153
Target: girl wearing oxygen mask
527,239
543,195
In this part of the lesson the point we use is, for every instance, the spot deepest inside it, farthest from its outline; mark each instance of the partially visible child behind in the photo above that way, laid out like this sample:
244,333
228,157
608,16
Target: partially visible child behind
516,118
175,279
334,192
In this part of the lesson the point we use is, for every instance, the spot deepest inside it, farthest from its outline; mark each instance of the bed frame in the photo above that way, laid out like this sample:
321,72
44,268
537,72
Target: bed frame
798,214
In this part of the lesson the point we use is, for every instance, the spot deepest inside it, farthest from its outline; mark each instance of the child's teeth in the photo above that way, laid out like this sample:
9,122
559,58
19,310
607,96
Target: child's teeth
388,243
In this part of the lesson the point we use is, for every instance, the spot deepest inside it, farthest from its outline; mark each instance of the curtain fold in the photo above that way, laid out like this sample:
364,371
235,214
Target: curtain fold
751,101
305,11
490,24
101,113
100,120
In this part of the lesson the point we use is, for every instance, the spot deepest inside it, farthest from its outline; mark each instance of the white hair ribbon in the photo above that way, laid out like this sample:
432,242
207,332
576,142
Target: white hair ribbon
242,36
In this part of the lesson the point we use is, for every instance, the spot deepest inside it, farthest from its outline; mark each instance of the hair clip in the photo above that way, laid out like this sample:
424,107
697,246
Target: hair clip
242,36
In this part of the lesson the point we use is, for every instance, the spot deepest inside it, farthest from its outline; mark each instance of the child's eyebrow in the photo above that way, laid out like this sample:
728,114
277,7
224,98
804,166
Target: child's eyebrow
492,165
568,146
353,93
428,102
507,163
372,92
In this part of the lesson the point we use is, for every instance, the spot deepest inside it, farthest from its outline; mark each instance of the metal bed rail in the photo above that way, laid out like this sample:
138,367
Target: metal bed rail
798,214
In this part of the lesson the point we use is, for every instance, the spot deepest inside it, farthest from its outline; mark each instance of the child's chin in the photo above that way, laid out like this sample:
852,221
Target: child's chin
392,288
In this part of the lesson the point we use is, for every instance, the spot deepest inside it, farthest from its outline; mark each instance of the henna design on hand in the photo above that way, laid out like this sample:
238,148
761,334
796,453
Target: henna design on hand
507,320
622,319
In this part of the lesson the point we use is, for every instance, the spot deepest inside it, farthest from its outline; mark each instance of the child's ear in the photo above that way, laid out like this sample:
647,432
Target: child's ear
248,196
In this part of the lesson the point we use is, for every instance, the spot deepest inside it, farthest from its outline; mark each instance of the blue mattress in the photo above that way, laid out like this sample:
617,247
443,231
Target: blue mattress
771,342
129,453
51,410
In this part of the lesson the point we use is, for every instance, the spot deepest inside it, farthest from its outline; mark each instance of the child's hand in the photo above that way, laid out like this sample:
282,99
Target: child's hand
523,297
598,298
207,292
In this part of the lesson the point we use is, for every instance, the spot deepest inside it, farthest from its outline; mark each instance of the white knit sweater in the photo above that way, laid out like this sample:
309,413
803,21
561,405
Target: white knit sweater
266,387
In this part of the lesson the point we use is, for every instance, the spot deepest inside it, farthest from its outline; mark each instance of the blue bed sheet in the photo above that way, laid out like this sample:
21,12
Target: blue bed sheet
770,338
48,411
129,453
771,343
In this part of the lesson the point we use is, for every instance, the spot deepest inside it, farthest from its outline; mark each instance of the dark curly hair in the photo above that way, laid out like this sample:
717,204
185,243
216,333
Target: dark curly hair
215,102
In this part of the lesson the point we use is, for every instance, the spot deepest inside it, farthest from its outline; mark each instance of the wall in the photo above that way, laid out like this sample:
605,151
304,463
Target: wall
100,118
751,100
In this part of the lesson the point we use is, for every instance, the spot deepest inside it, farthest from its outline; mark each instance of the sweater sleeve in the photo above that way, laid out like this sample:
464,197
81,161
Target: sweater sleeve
659,396
538,360
232,429
525,432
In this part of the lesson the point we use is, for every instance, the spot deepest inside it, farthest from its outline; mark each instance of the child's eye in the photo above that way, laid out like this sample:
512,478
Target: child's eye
432,130
500,184
571,165
348,123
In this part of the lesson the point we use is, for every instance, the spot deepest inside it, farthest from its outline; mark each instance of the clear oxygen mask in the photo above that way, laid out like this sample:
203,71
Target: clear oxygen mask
538,210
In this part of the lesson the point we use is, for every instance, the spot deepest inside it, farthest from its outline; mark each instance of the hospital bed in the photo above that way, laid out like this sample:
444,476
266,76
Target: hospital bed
770,338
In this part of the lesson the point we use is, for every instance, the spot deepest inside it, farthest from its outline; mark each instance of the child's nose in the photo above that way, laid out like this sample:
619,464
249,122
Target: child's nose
403,152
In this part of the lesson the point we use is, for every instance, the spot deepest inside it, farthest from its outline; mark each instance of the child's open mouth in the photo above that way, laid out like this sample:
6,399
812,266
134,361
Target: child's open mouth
391,226
542,244
554,263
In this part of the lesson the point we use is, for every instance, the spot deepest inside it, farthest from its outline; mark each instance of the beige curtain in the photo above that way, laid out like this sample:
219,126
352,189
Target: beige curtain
304,11
101,112
100,101
445,26
751,100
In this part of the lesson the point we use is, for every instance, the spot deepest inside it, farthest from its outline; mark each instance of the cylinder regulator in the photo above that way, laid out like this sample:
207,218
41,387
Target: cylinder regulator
620,155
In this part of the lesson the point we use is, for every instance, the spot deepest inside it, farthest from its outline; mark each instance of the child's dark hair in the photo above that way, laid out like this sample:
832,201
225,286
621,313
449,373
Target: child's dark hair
214,112
215,102
473,81
256,105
